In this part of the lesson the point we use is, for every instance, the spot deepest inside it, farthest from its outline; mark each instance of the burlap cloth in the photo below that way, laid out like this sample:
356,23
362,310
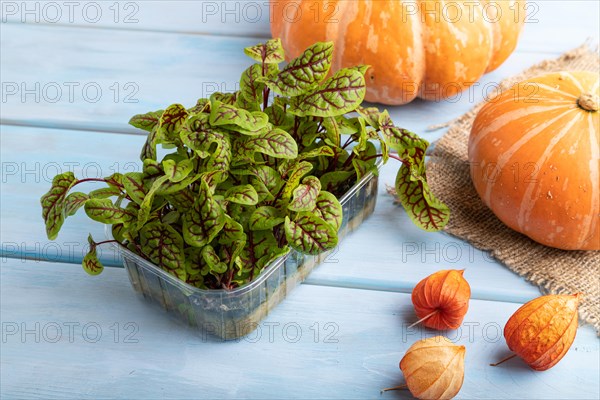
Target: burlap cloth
554,271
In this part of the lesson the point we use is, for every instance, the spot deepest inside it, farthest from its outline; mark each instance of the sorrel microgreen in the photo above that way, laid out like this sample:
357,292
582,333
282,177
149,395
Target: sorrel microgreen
251,173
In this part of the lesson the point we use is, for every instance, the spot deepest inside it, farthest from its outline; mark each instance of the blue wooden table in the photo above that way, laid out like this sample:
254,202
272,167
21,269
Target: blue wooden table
72,75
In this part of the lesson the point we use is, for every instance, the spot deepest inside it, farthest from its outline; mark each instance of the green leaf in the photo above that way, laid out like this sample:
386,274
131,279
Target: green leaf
146,205
149,148
146,121
170,123
91,264
275,143
364,168
333,131
177,171
279,118
408,145
105,211
242,194
134,186
260,250
310,234
74,202
213,261
423,208
164,246
305,195
252,83
321,151
53,203
371,115
270,52
169,187
226,98
329,209
332,180
341,93
305,72
265,217
294,176
202,105
203,222
232,231
225,114
103,193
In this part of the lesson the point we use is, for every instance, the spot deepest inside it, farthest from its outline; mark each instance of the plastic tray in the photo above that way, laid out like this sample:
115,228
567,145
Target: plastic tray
230,314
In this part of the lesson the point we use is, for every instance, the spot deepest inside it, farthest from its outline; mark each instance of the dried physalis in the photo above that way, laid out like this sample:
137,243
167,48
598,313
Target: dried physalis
542,331
442,299
434,368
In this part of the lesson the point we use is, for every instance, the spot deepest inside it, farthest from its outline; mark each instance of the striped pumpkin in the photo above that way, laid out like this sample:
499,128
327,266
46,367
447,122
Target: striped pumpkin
430,49
534,154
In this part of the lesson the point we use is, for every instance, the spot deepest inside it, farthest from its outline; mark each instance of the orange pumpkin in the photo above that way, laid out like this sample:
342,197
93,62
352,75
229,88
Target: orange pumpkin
534,154
427,49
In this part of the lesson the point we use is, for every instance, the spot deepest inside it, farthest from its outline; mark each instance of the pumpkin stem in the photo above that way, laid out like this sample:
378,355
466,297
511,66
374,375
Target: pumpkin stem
399,387
504,359
589,102
423,319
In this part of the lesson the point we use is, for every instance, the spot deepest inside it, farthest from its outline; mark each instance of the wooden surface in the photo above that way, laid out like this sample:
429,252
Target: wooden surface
352,312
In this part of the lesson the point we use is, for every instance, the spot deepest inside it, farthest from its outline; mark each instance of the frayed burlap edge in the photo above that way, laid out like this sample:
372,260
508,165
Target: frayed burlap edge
554,271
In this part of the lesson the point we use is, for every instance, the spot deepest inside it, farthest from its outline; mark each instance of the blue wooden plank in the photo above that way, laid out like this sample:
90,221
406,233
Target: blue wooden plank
30,159
575,20
62,83
52,346
387,253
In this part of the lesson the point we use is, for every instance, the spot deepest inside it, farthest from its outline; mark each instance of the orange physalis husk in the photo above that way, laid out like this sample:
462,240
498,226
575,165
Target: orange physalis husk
442,299
542,330
434,368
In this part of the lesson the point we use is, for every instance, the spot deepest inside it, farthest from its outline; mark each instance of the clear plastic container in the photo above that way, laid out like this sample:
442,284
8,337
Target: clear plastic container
230,314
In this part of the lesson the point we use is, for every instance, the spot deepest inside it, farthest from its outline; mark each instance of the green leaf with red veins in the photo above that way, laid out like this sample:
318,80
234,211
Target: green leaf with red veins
53,203
202,105
225,98
91,264
164,246
146,205
199,135
149,148
74,202
242,194
252,82
194,262
408,145
103,193
203,222
294,176
243,103
304,72
334,179
105,211
232,231
146,121
265,217
260,250
310,234
151,171
371,115
321,151
269,177
330,209
182,200
423,208
212,260
177,171
279,118
304,197
360,68
134,186
333,131
340,94
275,143
271,52
170,124
225,114
363,168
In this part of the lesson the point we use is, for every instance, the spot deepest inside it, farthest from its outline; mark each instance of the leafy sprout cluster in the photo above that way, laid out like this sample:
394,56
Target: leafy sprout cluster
250,174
